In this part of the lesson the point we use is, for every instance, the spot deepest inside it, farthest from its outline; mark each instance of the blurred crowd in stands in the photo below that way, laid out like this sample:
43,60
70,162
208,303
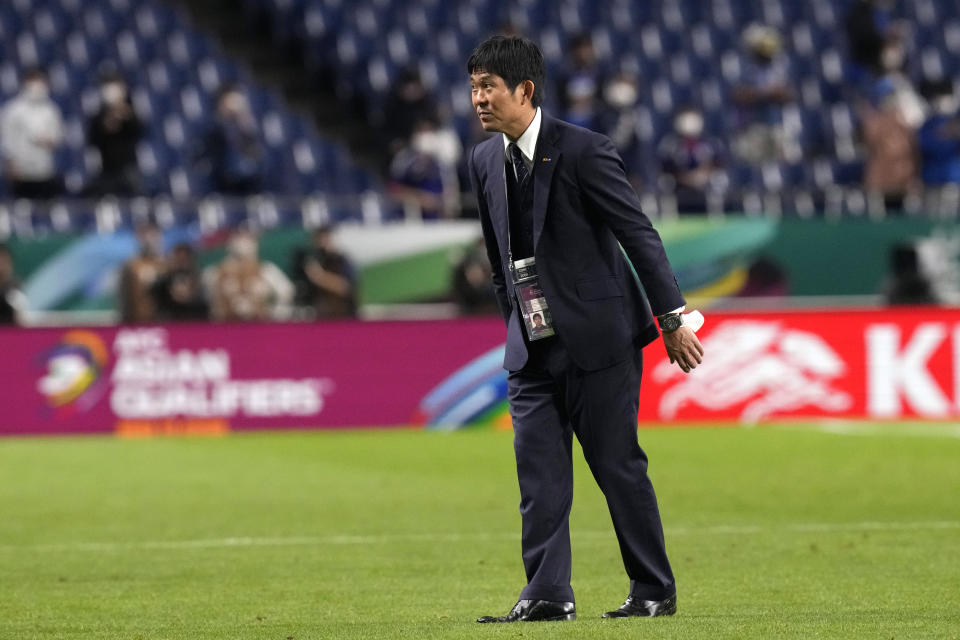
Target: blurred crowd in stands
32,130
241,287
904,134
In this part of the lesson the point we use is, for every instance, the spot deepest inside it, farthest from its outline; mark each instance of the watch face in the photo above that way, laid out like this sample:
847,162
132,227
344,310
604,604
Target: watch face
671,323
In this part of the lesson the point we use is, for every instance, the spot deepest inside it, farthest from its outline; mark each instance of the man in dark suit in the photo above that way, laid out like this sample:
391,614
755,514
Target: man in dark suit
557,193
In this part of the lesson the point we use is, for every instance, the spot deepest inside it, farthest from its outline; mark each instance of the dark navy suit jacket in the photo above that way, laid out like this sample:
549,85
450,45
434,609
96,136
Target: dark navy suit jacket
583,206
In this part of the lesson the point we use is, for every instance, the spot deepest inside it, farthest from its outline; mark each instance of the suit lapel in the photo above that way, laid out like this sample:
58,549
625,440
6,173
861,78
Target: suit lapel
544,162
497,186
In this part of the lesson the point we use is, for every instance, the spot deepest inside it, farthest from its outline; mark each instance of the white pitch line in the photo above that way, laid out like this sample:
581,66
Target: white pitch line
340,540
841,428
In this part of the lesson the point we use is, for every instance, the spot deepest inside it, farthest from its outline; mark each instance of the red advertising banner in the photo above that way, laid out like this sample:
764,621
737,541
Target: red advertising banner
211,378
759,367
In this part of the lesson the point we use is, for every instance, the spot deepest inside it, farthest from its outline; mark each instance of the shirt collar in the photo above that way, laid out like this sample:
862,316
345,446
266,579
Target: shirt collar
528,139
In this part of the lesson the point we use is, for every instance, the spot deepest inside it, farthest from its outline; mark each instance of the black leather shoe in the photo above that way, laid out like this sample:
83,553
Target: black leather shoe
634,607
536,611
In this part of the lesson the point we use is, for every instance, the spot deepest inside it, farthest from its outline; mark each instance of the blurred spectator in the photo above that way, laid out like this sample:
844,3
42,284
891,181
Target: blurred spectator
31,130
114,132
178,293
424,171
325,279
138,276
13,303
578,85
408,104
472,285
870,28
620,121
907,284
893,84
939,136
763,91
443,145
891,151
243,287
233,145
691,162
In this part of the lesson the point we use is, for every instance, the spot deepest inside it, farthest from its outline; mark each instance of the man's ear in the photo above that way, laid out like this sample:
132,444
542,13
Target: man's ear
528,88
524,91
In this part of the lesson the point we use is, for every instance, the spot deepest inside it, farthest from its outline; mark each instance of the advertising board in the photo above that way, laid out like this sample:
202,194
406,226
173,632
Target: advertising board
198,378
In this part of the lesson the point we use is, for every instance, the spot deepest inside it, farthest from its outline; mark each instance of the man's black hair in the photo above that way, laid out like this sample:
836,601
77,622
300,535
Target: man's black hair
514,59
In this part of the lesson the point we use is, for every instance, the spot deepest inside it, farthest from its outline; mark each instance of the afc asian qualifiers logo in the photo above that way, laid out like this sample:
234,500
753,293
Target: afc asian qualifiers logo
74,378
763,366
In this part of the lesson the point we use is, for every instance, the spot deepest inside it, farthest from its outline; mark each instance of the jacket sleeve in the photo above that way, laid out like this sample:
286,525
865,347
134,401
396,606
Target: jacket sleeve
490,239
608,193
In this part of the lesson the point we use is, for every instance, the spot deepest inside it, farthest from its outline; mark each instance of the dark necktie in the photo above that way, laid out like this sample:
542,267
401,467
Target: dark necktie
520,192
519,164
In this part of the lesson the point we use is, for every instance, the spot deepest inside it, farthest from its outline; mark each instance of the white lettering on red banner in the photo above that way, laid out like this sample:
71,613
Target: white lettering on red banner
900,372
876,364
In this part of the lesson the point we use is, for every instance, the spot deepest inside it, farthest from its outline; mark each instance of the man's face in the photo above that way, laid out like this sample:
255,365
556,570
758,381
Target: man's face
498,108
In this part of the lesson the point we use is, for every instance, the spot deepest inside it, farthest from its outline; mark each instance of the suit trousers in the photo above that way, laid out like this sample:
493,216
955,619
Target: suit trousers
551,399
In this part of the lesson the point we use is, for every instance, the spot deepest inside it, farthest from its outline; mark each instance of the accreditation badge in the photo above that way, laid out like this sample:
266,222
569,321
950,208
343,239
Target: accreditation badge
533,304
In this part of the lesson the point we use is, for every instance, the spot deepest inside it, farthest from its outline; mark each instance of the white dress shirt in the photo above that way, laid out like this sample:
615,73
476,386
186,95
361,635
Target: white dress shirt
527,142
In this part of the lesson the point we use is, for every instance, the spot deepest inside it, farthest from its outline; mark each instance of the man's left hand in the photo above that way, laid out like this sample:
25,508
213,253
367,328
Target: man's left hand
684,348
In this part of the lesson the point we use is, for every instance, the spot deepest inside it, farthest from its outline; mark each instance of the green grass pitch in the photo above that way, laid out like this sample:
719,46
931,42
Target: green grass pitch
774,533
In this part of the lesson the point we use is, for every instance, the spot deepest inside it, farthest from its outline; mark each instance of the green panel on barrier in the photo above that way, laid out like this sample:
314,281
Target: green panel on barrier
690,242
30,253
847,257
417,278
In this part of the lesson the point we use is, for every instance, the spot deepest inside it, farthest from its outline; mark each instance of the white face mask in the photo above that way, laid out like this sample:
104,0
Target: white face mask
689,125
892,58
113,93
945,105
621,94
36,90
244,248
424,142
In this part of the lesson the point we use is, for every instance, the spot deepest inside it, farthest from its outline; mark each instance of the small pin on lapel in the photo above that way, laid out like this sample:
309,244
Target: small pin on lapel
544,159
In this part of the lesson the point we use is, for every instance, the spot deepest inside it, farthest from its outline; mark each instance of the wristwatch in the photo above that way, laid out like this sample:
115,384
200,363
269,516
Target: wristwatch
670,322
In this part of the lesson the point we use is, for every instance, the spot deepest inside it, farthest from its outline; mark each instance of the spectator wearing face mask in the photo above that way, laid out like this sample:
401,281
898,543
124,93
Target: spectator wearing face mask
939,137
232,147
424,171
137,278
620,121
114,132
761,94
692,163
244,288
579,83
31,130
408,104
